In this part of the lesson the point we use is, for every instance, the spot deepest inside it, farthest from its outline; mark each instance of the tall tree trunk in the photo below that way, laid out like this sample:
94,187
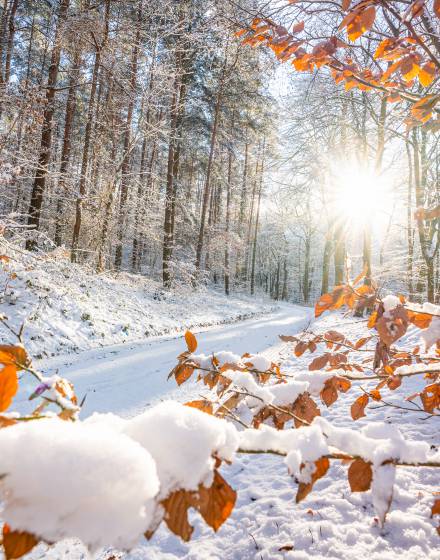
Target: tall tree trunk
87,139
67,144
169,193
127,139
10,44
228,218
39,186
207,187
285,295
257,220
339,252
426,233
328,247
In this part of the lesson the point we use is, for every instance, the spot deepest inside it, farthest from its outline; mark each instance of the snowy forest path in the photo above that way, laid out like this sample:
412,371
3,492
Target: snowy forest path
125,379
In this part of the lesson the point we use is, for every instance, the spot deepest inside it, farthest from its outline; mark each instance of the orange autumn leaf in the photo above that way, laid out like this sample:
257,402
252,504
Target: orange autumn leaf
323,304
372,320
420,320
17,543
358,407
216,503
191,341
8,386
321,467
304,408
182,372
13,355
427,74
5,421
176,513
204,406
360,475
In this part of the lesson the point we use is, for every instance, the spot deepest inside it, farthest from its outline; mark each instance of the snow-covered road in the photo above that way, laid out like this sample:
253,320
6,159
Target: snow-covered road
126,378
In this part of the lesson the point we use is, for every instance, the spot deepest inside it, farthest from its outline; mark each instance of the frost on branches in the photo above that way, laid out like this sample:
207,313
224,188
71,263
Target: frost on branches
110,481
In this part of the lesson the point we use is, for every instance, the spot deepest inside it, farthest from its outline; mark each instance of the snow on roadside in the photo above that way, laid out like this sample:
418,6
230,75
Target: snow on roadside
69,308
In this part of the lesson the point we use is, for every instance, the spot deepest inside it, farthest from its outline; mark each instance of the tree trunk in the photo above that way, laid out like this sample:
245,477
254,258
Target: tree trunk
127,139
10,44
207,188
328,247
39,186
257,219
67,144
168,218
339,253
87,140
228,217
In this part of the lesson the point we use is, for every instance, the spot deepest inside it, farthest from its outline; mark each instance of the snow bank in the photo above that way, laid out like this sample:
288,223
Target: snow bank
75,480
68,307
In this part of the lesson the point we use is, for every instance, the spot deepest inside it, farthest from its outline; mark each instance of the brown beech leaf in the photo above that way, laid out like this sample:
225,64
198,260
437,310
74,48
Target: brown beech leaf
216,503
5,421
435,510
358,407
334,336
176,513
430,397
375,395
300,348
204,406
392,325
420,320
304,488
360,475
13,355
182,372
394,381
288,338
319,362
372,320
306,409
229,404
361,342
286,548
17,543
342,384
191,341
329,393
8,386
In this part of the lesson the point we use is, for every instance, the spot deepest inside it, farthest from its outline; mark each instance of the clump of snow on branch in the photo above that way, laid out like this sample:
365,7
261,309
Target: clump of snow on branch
183,442
390,302
64,480
299,446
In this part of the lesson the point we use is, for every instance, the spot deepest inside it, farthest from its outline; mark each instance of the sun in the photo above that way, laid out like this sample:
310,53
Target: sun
357,193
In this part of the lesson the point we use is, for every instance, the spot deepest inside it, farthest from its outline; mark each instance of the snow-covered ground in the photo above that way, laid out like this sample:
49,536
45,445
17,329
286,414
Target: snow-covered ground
266,523
68,308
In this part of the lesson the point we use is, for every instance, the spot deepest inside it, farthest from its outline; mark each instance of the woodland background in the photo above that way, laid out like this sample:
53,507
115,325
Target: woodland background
142,136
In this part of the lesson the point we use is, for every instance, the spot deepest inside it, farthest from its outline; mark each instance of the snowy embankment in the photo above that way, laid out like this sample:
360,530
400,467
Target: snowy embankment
68,308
